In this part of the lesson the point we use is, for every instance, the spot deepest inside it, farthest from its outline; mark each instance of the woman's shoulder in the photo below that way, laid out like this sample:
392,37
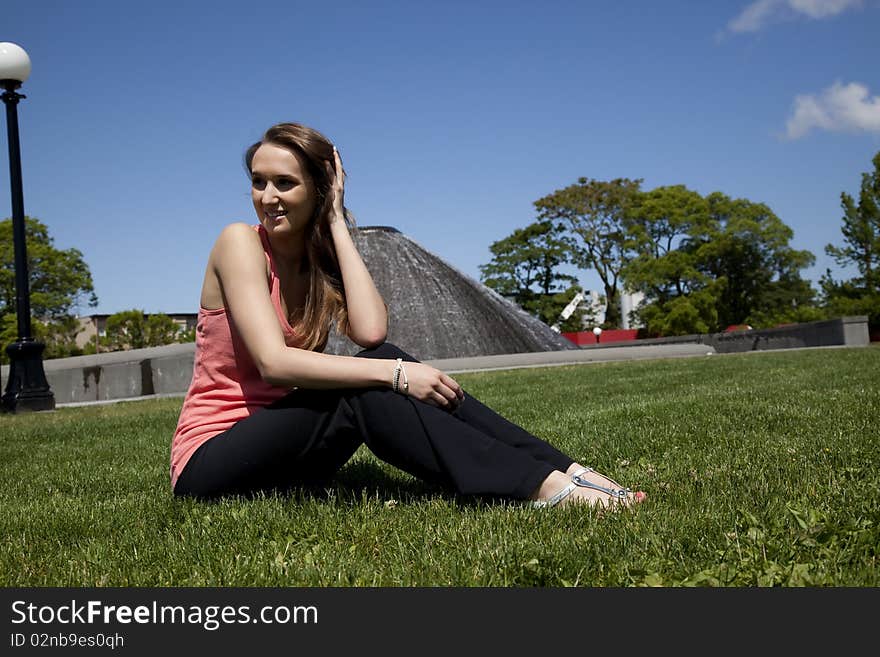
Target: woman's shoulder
238,234
238,230
236,240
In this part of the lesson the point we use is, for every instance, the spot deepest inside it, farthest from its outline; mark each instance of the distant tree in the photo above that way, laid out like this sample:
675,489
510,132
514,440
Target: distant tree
663,220
525,262
861,235
747,249
861,231
524,268
694,312
125,330
595,212
133,329
679,298
788,300
843,298
707,263
161,330
187,335
59,282
550,307
59,336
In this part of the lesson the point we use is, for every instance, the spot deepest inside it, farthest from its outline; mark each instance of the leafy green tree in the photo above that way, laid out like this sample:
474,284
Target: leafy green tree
861,235
706,263
525,262
694,312
549,309
59,280
661,223
595,214
161,330
125,330
844,298
747,249
59,335
524,268
133,329
679,298
187,335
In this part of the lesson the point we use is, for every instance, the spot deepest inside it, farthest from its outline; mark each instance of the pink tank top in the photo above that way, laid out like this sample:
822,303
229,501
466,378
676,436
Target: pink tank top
226,386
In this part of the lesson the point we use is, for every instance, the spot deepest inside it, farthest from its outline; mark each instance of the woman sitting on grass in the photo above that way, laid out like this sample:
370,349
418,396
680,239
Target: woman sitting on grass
268,411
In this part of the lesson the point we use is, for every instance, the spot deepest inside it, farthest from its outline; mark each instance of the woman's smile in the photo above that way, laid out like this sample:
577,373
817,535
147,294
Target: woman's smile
276,215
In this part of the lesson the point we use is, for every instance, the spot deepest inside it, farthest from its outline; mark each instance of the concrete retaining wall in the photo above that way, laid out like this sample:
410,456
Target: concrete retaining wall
119,374
843,331
168,370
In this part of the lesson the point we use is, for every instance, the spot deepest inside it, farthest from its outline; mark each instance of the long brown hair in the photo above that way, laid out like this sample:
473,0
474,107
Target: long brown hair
325,301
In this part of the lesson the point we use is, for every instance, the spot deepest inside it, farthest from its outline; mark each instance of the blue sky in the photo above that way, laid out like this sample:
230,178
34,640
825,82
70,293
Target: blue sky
452,117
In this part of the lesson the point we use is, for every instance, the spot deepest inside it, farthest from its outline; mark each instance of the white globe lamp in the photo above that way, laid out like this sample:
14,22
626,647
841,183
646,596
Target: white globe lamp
14,62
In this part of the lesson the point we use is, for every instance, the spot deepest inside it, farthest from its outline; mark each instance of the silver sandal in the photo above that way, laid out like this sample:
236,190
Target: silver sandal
618,494
556,499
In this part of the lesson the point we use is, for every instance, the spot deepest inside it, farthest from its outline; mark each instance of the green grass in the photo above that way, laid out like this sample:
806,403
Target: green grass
762,469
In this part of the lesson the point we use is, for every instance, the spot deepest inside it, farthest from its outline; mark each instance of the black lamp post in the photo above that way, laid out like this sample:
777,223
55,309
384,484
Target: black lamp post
26,387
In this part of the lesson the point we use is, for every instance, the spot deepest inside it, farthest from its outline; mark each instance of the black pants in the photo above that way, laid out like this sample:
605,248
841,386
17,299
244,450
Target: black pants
306,436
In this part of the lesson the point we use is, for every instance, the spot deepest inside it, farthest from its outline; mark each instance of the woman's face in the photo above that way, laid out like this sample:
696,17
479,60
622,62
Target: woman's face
283,192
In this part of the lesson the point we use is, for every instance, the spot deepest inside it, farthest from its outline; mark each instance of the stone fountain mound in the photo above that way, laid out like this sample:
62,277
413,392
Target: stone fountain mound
436,311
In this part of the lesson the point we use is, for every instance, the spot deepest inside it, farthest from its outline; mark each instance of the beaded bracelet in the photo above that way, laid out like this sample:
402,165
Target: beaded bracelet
398,370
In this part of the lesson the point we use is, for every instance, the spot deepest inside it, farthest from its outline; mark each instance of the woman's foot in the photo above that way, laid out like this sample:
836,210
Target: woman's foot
594,477
564,488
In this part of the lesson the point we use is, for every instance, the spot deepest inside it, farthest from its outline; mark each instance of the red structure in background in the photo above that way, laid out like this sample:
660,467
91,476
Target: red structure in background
608,335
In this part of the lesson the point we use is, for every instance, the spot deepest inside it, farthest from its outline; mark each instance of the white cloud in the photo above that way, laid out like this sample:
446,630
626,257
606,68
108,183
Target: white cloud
761,13
839,108
822,8
755,16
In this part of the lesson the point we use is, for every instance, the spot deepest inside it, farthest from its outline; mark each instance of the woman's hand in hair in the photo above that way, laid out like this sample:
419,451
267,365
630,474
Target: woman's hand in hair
337,187
430,385
367,312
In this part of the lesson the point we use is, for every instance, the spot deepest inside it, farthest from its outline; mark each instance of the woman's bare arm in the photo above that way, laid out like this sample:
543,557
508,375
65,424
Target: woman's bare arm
367,314
239,262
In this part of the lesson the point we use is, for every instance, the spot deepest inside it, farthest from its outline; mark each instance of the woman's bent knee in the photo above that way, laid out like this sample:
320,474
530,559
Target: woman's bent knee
386,350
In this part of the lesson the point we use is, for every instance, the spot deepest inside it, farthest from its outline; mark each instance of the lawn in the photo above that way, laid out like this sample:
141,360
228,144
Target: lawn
762,469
